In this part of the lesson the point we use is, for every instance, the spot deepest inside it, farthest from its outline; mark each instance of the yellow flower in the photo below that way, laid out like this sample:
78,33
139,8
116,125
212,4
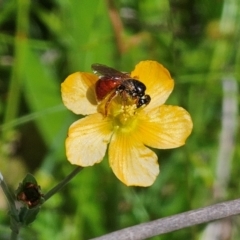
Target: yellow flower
127,129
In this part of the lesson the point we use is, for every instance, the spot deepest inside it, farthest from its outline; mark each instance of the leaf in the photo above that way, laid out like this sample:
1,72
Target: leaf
42,91
29,178
27,215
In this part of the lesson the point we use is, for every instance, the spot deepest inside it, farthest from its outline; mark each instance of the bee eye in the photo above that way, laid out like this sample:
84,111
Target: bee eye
139,87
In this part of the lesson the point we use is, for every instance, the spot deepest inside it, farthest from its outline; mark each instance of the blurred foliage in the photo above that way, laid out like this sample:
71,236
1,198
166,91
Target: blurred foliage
41,42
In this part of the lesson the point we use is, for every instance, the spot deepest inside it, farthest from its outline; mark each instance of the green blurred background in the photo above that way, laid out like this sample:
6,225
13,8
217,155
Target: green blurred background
41,42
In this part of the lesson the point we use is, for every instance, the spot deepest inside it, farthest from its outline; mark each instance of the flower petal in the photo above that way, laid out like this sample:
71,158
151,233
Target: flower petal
132,162
157,79
165,127
78,93
87,140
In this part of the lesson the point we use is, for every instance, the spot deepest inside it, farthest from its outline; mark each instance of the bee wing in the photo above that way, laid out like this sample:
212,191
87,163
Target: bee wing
104,70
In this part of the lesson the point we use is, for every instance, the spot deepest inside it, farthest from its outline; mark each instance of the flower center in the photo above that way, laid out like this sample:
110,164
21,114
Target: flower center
122,112
125,118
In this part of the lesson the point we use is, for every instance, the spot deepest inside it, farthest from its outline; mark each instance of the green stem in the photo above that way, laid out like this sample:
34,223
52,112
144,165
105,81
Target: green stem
7,193
14,236
13,210
20,43
60,185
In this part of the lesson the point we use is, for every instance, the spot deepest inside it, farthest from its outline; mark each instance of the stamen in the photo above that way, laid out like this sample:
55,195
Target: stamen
127,112
125,118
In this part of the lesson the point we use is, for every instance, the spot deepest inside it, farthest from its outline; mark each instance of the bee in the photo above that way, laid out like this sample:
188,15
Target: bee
113,82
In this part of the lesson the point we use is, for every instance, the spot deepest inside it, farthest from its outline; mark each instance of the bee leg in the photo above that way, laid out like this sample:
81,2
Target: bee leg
136,101
124,98
110,98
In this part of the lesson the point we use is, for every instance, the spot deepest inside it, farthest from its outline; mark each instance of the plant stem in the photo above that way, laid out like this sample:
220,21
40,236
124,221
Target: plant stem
20,43
13,210
14,236
60,185
7,192
176,222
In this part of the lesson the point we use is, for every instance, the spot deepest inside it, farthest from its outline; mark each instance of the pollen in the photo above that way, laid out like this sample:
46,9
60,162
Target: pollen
128,111
126,118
